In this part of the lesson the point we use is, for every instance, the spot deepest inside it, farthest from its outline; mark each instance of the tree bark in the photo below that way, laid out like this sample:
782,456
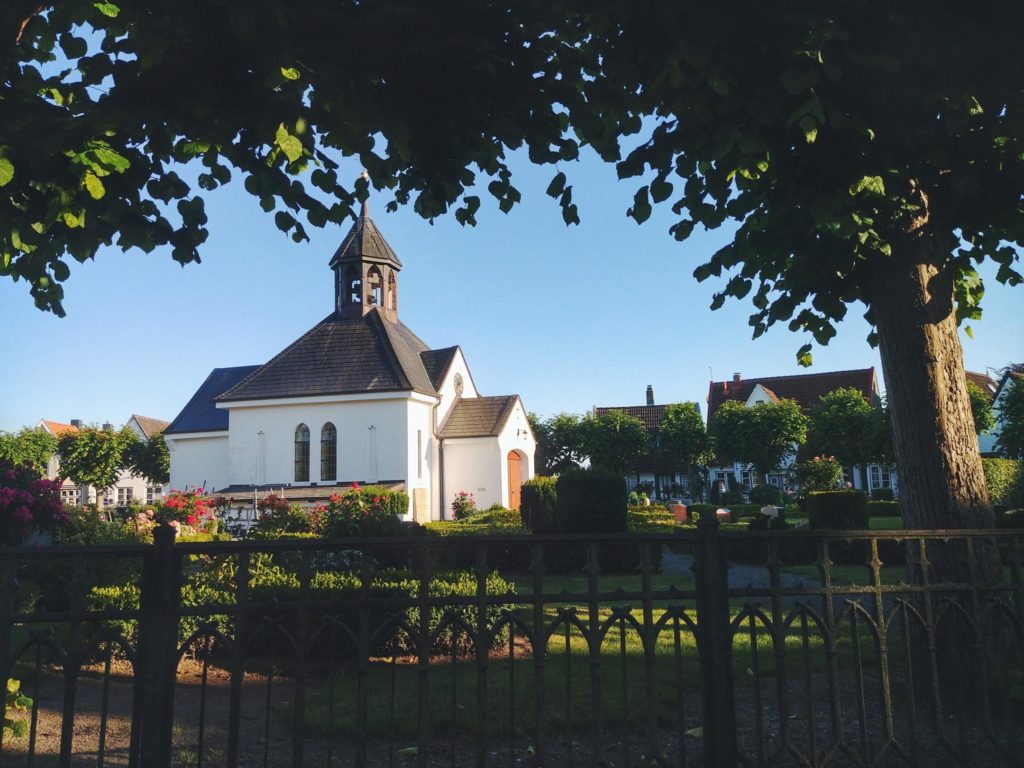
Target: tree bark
940,476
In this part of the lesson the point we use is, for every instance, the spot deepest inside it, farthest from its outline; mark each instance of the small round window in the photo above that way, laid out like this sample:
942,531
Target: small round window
458,384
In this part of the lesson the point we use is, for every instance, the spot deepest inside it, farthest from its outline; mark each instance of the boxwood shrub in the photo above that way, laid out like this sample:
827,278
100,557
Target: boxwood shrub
838,510
537,503
590,502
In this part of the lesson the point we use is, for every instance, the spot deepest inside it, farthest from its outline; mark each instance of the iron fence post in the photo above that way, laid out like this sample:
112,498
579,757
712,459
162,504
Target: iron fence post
159,603
714,642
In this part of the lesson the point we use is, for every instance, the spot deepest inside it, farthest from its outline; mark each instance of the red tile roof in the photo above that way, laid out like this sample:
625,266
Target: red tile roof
807,389
58,428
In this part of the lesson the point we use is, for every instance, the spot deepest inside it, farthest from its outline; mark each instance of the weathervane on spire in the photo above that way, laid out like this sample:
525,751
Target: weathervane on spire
366,208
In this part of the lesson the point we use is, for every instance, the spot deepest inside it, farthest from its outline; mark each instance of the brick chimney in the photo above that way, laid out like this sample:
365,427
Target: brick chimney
650,395
736,378
108,427
76,423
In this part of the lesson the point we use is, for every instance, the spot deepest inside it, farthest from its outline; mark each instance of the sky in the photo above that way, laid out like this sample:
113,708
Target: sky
566,317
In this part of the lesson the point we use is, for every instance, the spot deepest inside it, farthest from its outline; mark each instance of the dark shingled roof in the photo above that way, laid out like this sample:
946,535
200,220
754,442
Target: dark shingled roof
200,414
807,389
478,416
437,362
341,356
364,242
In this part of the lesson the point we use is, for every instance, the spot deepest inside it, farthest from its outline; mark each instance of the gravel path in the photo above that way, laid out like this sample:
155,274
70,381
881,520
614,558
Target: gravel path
740,575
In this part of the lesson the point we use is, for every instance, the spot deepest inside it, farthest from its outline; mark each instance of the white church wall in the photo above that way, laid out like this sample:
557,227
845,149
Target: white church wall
371,441
447,389
199,459
474,465
516,436
420,455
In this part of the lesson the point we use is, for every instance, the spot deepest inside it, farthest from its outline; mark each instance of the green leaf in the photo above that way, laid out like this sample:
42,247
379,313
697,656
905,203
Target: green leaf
641,210
660,190
109,157
969,331
290,73
803,356
810,128
872,185
74,220
93,185
288,144
61,271
557,185
796,81
107,9
6,171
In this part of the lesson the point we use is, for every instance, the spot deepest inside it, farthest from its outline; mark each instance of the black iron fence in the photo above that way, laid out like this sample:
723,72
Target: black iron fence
697,648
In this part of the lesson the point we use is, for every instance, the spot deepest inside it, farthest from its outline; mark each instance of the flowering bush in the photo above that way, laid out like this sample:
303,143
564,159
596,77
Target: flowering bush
277,515
463,506
190,507
822,473
27,503
369,511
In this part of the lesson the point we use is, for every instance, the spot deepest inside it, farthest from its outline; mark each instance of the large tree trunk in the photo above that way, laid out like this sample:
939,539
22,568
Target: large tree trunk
941,480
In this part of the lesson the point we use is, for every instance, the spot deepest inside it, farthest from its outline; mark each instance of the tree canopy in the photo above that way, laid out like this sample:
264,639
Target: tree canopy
32,446
1011,419
93,456
868,152
149,458
682,436
845,425
764,434
614,441
559,446
981,408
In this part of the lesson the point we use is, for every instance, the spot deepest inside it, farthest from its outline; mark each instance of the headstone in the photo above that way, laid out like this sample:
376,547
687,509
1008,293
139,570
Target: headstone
724,515
679,512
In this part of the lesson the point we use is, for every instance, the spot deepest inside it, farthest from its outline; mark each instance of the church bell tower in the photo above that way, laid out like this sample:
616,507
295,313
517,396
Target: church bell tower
365,272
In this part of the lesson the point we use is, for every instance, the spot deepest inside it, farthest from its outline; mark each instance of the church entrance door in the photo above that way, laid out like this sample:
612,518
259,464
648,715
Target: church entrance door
515,479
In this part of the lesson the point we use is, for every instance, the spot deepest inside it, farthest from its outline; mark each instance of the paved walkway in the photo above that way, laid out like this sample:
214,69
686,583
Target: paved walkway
740,574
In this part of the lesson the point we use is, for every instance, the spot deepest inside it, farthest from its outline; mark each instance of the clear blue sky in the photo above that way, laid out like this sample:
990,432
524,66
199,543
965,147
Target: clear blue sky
568,317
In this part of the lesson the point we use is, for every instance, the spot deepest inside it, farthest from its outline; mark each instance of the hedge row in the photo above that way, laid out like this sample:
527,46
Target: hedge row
1005,478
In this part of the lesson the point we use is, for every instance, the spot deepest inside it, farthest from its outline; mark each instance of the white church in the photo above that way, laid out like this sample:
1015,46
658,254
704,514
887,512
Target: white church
357,398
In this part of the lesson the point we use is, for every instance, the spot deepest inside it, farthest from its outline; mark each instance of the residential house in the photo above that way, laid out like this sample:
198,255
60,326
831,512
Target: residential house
357,398
807,390
129,487
666,477
1009,379
988,385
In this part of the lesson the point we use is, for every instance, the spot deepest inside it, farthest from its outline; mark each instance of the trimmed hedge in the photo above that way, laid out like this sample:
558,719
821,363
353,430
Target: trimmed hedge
883,509
838,510
537,504
1005,478
591,502
273,585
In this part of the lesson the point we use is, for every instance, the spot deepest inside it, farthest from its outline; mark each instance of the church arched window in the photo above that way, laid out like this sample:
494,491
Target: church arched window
374,287
354,285
328,452
302,454
392,291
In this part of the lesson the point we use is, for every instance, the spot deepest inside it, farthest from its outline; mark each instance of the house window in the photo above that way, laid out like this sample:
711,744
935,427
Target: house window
328,452
69,496
302,454
747,478
154,493
124,497
879,477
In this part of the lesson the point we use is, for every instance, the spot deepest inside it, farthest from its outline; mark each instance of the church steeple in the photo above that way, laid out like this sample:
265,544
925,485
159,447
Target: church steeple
365,271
